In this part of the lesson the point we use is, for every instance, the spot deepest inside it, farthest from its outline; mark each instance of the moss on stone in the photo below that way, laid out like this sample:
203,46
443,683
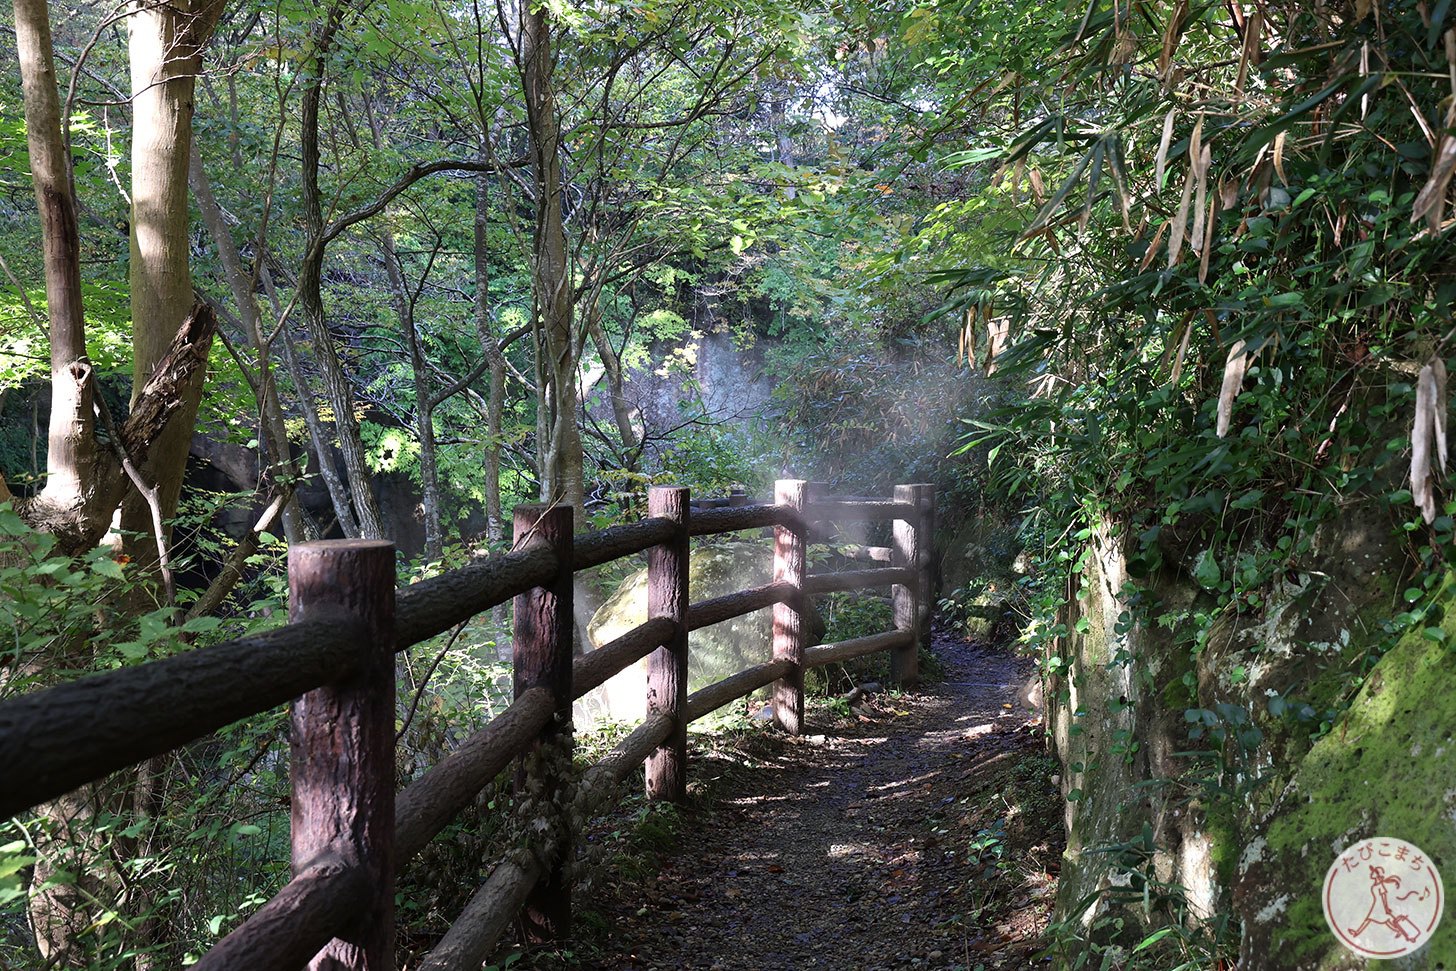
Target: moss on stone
1385,769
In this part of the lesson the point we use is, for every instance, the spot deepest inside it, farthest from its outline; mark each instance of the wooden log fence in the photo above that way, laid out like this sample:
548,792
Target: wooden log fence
352,833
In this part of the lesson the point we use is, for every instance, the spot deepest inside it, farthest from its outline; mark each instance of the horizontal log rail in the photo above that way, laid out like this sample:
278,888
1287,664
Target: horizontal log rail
706,613
823,654
58,738
818,583
594,668
861,509
306,914
707,700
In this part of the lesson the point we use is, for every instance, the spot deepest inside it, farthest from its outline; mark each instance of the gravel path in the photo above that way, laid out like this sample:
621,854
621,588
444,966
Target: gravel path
854,849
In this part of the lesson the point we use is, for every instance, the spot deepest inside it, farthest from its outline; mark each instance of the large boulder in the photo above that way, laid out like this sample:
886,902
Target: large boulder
713,652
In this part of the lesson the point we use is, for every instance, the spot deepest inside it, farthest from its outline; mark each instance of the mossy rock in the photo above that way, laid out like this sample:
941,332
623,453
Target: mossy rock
1386,769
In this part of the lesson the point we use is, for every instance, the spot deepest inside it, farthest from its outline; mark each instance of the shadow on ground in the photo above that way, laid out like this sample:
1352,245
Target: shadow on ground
922,830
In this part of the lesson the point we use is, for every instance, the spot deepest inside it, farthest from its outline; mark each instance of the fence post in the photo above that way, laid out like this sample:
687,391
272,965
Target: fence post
925,599
541,655
341,748
667,667
789,629
910,601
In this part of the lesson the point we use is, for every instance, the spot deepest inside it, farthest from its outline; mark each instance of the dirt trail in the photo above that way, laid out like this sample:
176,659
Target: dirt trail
916,832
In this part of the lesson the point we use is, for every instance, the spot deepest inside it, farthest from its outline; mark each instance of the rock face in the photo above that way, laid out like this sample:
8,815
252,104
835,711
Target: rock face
1195,769
713,652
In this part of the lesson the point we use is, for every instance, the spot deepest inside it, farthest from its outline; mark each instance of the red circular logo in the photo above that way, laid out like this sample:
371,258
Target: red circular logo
1382,897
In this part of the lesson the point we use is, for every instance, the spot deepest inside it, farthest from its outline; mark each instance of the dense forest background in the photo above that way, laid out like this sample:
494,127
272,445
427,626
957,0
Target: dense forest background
1157,292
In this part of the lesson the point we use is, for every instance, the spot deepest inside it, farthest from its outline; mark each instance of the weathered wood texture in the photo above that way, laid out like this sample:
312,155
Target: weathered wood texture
840,510
858,579
789,628
542,659
592,669
925,598
435,605
604,546
54,740
474,935
436,797
341,747
858,647
711,522
719,693
908,552
300,920
705,613
667,667
470,940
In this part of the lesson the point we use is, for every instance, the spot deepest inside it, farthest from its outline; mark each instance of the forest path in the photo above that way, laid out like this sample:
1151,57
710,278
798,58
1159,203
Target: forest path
915,831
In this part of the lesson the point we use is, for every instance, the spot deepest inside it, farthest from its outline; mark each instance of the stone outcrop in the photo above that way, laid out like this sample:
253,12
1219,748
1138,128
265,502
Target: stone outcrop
1204,770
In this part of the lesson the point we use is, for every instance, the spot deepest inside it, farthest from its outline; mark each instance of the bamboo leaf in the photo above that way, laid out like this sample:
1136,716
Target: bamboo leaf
1233,380
1167,139
1423,434
1053,204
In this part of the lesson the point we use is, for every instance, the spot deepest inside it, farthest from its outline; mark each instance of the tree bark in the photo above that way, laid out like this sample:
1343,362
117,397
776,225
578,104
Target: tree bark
495,403
336,382
621,407
274,426
165,43
561,478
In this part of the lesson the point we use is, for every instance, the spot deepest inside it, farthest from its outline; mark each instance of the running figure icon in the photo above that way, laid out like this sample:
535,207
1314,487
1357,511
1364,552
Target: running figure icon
1382,897
1382,913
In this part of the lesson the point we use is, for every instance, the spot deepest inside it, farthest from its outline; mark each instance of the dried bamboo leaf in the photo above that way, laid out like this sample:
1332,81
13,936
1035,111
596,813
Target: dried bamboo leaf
1200,198
1153,248
1182,353
1180,221
1431,200
1438,374
997,331
1279,157
1423,433
1167,140
1228,193
1233,380
1172,33
1038,188
1207,246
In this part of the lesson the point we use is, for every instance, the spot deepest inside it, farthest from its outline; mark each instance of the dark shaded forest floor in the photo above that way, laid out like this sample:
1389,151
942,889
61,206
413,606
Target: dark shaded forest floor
920,830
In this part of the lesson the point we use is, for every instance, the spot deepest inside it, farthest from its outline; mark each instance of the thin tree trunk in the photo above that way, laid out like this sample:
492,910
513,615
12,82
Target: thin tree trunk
336,382
621,407
562,469
275,429
424,403
318,435
495,404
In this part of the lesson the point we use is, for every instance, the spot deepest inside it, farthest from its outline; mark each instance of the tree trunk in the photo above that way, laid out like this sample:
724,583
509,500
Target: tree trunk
424,403
561,479
621,407
495,404
274,426
336,382
318,435
165,43
71,505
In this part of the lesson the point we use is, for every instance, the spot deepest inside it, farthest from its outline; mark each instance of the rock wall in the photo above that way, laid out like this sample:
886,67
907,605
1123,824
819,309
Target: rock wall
1203,778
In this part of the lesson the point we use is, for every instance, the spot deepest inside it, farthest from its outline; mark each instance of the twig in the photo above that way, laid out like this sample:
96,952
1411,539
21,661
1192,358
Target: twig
149,493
